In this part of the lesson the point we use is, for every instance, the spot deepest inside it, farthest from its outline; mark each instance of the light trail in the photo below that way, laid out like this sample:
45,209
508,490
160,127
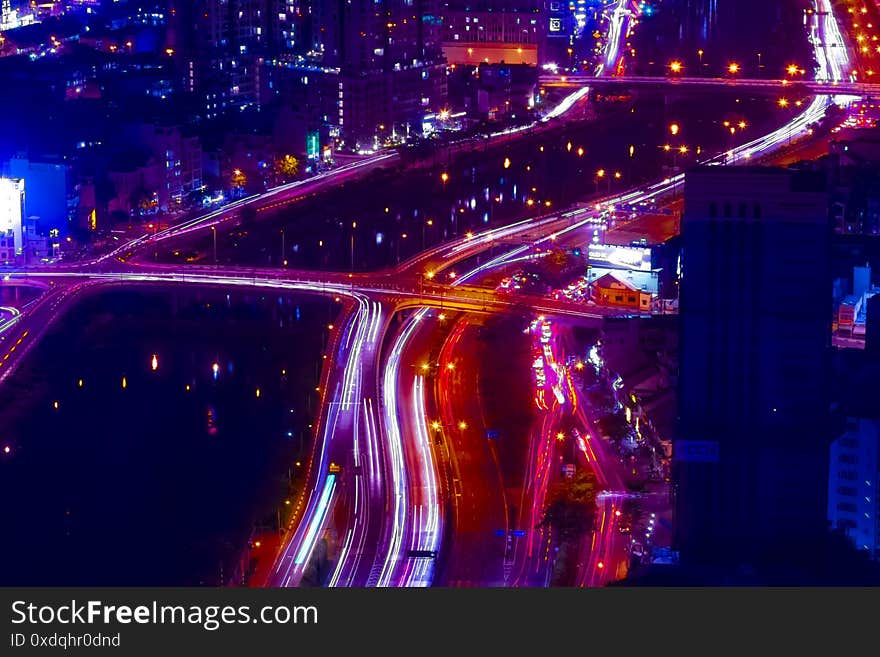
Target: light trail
399,485
316,521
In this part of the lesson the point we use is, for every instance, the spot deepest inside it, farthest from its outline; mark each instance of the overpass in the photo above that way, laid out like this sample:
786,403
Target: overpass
392,292
805,87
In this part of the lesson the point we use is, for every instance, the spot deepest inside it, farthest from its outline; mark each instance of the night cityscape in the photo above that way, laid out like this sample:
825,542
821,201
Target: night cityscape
439,293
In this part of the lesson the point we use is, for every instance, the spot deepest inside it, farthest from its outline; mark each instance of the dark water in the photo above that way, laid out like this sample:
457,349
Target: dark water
153,483
377,222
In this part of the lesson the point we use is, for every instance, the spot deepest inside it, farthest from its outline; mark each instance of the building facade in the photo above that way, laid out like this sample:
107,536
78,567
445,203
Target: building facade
752,436
218,47
366,72
490,33
854,475
608,290
12,209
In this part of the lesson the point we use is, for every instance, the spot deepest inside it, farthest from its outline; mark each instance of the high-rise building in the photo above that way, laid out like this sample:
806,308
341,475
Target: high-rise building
51,198
218,47
367,69
489,31
750,458
854,475
11,219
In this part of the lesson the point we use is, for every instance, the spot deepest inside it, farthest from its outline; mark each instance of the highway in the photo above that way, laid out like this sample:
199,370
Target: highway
475,551
348,455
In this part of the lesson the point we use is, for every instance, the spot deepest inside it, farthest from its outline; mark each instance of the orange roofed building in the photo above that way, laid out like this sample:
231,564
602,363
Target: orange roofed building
609,290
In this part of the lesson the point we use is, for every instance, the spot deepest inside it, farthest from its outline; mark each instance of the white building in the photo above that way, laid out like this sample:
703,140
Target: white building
11,216
852,484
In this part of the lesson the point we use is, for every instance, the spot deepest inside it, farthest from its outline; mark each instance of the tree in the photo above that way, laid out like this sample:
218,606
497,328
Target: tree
286,167
238,180
615,426
570,514
555,268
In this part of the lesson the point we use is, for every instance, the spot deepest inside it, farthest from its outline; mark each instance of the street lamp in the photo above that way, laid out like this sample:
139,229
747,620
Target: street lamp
733,68
700,55
283,259
675,66
214,231
429,222
353,227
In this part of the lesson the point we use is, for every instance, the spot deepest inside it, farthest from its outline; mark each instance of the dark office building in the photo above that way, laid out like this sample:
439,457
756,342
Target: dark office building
750,459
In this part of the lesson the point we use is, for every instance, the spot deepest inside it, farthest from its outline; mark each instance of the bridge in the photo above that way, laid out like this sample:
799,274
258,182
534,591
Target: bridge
397,293
792,86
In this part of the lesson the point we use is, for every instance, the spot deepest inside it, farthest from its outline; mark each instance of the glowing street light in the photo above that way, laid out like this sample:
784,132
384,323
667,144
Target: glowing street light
154,363
783,102
673,129
733,68
675,66
792,69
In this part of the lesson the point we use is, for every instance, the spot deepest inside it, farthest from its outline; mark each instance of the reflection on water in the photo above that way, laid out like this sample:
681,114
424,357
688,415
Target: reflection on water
132,459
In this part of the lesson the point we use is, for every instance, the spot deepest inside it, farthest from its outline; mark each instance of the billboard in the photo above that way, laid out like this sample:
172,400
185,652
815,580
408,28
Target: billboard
12,209
313,145
631,257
